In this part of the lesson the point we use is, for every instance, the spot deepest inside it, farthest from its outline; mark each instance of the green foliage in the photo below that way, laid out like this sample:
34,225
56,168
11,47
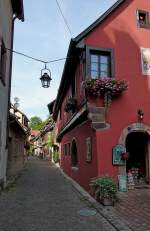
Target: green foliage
36,123
104,187
30,150
50,141
71,103
56,157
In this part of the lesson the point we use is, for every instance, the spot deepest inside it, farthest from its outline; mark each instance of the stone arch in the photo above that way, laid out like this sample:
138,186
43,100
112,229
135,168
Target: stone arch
134,127
131,128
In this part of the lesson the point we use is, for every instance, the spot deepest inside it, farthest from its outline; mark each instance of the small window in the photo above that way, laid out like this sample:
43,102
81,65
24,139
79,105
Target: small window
143,18
100,65
65,149
3,63
74,154
69,149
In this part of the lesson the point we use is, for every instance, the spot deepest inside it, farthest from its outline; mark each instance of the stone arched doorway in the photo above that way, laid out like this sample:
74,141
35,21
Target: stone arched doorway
136,139
137,147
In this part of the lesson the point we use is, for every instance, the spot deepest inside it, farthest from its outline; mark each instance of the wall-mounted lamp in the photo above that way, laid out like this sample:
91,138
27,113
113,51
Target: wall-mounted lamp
45,77
140,115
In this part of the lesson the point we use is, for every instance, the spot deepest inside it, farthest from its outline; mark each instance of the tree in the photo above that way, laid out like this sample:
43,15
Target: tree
36,123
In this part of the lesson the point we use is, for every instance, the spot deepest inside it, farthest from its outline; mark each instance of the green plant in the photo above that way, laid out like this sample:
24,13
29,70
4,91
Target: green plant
56,157
104,187
71,104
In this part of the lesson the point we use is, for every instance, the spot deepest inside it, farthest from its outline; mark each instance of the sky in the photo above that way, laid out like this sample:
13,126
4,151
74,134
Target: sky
44,35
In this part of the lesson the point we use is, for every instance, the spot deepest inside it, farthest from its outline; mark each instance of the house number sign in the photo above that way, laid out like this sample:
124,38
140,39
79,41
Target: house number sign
117,154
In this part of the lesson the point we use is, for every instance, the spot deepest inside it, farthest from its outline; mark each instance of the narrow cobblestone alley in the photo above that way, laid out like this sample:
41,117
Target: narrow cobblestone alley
42,199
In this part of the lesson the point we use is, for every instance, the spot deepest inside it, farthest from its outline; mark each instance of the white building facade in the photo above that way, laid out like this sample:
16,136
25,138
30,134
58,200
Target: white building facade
9,11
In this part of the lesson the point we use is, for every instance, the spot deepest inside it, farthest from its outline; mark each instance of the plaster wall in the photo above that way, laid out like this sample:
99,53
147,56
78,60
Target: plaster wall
121,33
5,34
85,170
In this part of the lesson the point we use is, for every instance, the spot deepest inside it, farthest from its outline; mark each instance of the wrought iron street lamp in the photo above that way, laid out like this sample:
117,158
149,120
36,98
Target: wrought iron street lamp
45,77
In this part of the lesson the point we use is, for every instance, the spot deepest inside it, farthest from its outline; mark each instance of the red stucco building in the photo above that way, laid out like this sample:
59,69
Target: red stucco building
95,125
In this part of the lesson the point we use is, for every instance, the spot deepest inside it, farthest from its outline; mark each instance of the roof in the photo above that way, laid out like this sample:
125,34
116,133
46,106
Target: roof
51,106
72,51
17,6
16,124
34,132
17,110
48,127
98,21
68,68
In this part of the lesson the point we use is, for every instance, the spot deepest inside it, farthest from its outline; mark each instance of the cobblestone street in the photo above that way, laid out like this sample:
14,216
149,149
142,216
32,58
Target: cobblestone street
134,208
42,199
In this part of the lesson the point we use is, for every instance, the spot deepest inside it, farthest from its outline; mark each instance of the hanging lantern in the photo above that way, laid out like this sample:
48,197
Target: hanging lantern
45,77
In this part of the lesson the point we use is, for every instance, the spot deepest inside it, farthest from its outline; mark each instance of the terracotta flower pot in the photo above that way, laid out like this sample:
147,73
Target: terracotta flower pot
106,201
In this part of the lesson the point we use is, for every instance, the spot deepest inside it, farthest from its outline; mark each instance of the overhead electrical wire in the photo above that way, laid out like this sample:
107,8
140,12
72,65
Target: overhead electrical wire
40,60
36,59
64,18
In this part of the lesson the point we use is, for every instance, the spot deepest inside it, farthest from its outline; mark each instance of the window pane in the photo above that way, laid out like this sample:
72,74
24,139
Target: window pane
103,59
94,66
94,74
94,58
104,74
104,67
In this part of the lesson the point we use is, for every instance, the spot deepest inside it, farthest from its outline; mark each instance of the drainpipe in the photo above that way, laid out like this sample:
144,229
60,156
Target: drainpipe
10,75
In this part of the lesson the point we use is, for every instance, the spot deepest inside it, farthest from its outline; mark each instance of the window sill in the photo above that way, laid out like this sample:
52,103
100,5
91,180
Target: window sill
146,26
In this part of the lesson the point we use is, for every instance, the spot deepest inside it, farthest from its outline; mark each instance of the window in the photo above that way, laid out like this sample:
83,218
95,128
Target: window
74,154
69,149
143,18
100,65
65,149
2,62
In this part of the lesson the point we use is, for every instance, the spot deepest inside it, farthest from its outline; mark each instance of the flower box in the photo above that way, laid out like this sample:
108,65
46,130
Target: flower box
71,104
98,87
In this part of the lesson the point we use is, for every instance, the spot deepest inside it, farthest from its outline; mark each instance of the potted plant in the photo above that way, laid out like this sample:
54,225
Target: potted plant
71,104
105,190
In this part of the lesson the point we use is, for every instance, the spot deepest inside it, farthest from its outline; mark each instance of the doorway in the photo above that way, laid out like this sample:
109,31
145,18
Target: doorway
138,161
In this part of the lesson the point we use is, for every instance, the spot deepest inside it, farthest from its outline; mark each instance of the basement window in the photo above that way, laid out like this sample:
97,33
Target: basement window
143,19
